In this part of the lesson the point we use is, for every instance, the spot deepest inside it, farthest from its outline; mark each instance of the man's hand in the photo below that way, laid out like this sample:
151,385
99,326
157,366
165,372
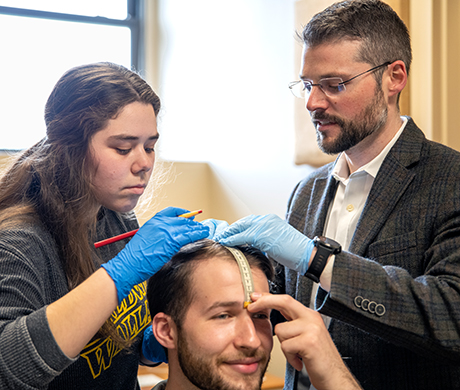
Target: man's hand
305,340
215,226
272,235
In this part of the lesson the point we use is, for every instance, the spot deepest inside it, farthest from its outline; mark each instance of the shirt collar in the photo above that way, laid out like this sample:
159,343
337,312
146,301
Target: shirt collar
341,171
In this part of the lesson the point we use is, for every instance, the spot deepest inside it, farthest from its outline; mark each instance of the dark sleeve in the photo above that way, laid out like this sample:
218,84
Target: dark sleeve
29,355
277,287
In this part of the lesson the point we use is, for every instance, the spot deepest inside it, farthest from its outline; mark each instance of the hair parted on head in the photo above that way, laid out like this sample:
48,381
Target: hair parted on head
170,290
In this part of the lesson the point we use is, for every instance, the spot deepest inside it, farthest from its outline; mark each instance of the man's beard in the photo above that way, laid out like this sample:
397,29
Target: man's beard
369,121
203,372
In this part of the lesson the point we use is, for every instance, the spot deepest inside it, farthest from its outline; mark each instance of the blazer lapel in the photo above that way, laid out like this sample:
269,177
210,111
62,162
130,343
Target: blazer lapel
324,192
325,189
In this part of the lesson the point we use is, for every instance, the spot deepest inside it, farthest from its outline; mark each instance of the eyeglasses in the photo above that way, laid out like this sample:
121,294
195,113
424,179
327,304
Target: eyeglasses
331,86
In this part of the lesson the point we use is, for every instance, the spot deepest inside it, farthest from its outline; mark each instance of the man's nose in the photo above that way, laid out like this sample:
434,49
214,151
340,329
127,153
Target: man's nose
246,334
316,99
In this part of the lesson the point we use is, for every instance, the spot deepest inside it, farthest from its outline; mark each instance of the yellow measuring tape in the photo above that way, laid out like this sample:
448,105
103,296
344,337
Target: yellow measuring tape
246,275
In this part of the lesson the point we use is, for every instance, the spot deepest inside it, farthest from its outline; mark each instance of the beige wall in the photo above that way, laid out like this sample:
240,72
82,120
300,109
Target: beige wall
306,149
435,80
4,160
444,102
195,185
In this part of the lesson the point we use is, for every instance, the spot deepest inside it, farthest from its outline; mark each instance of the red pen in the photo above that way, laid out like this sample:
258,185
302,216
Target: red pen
133,232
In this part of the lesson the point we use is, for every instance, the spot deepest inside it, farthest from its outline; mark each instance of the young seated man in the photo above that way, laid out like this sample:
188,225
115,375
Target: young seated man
214,343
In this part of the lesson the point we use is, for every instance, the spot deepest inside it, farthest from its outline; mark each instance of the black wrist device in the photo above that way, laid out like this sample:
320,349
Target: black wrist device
324,248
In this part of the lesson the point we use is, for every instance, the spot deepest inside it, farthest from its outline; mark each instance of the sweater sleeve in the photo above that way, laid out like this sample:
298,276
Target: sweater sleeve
31,277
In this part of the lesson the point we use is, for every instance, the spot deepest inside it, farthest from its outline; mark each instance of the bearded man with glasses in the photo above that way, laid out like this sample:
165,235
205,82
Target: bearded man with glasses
372,240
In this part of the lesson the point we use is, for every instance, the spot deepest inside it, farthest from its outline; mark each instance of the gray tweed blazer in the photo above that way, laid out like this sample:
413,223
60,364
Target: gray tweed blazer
395,296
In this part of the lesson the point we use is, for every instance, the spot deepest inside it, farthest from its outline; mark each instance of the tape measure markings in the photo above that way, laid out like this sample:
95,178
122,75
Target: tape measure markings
246,274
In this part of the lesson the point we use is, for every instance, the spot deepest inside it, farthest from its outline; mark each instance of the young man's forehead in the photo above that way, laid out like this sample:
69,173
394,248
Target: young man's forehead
219,280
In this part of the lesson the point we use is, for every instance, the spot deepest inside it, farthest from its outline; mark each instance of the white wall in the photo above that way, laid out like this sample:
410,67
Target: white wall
224,69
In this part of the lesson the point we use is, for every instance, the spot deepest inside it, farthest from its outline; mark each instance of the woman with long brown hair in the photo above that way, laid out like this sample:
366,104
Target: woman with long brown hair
72,316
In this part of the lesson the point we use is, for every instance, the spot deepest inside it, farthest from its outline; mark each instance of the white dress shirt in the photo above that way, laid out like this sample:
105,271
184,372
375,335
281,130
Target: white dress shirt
350,198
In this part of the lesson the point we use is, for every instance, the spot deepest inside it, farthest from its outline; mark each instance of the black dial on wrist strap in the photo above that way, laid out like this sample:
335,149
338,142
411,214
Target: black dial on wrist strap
324,248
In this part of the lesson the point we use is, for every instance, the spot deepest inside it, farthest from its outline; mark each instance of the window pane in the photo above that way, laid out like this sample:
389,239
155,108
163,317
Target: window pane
115,9
37,53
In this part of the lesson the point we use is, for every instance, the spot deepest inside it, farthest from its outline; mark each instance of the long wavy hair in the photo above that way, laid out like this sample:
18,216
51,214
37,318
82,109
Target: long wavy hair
51,180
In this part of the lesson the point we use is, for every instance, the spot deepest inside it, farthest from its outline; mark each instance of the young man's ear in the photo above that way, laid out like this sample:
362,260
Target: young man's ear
164,330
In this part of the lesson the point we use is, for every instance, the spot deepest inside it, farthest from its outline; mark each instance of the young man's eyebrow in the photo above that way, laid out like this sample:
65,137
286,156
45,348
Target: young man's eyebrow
219,304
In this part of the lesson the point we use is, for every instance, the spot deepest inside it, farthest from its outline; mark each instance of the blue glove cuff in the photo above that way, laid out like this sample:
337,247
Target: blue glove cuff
303,265
123,289
151,348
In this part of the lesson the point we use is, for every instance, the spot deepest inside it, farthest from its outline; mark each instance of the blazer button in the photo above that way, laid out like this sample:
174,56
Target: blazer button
365,304
372,306
380,310
358,301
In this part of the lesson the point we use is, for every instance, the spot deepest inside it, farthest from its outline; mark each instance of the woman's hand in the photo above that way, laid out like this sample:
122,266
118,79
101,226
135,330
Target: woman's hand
151,247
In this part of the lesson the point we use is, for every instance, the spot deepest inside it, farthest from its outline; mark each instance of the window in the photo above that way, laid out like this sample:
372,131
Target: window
43,39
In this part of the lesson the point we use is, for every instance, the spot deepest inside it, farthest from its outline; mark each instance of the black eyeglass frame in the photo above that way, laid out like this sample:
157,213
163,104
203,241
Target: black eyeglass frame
340,85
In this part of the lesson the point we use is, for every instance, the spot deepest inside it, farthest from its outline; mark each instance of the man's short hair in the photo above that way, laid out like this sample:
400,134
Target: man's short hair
383,34
170,290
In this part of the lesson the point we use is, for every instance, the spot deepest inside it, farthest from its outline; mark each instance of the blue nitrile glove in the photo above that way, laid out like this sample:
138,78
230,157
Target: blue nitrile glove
272,235
151,348
151,247
215,226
